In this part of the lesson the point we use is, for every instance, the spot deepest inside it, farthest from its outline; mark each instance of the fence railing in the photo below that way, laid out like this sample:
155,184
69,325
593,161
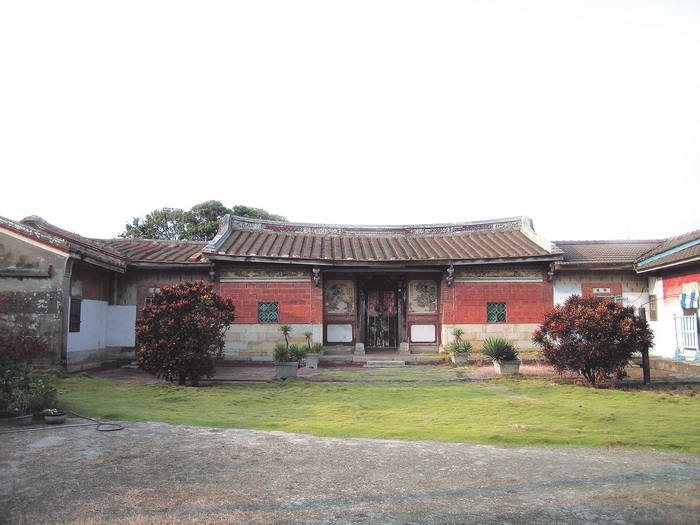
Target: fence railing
687,346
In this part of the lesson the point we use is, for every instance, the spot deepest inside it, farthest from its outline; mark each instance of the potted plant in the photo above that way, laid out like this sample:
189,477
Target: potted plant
288,358
314,351
502,354
54,416
285,365
458,349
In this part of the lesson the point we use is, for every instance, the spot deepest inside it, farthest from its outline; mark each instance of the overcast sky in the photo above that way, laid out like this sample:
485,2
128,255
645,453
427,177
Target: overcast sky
583,115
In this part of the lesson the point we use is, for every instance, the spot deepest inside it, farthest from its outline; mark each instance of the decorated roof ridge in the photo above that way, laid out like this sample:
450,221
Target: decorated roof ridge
328,229
230,223
86,249
494,240
40,224
39,235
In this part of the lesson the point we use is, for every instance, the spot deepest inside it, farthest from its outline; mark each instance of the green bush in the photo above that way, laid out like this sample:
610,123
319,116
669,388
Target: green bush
24,389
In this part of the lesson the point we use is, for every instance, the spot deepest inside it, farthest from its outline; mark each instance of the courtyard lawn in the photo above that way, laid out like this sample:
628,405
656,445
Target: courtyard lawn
498,412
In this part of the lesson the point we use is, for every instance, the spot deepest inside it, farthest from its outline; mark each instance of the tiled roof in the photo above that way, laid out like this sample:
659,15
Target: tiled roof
486,241
674,251
149,251
85,249
120,252
603,254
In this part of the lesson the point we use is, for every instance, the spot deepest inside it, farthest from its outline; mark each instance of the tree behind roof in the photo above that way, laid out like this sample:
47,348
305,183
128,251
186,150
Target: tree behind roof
200,223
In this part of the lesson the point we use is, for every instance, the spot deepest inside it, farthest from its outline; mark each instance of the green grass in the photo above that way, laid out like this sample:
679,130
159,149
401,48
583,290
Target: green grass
501,412
408,374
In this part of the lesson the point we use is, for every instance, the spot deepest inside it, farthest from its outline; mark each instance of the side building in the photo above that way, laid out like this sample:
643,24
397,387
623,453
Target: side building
672,270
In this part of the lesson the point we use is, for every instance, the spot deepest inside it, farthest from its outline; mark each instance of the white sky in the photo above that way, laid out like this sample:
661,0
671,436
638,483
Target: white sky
581,114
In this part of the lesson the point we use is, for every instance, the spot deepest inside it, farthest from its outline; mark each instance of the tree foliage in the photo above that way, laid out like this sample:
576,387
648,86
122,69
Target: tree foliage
593,336
200,223
181,334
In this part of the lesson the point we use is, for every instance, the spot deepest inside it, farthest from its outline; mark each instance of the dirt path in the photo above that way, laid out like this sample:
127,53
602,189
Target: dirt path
151,473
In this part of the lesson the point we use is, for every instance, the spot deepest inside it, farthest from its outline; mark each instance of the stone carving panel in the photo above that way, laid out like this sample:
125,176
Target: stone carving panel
506,274
422,297
339,297
258,274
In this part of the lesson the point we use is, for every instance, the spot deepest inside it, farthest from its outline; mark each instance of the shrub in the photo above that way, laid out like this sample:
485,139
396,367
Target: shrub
593,336
181,334
24,389
20,347
498,349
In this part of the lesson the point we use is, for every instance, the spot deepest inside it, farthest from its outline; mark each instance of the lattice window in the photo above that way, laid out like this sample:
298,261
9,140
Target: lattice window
268,312
496,312
74,314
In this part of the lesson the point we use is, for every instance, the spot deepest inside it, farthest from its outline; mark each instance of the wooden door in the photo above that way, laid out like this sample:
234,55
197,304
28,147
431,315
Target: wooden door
382,315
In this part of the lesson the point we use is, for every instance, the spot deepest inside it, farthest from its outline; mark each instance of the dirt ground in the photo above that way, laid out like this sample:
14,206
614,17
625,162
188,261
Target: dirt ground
153,473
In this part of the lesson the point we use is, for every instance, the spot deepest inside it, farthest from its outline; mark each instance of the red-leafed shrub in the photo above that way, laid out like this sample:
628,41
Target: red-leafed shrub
181,334
593,336
21,347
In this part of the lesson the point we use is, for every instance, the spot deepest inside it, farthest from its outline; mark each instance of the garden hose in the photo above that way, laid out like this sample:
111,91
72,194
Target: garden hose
112,426
100,425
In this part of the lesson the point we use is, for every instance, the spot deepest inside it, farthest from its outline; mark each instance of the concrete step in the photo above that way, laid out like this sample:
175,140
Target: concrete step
385,364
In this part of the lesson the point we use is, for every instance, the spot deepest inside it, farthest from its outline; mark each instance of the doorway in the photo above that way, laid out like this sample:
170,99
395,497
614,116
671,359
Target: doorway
381,314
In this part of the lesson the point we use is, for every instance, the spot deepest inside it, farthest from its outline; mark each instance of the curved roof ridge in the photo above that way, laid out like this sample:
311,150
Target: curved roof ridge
383,243
329,229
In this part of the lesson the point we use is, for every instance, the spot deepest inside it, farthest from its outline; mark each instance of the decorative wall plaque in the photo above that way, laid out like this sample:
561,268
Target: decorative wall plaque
251,274
422,297
505,274
339,297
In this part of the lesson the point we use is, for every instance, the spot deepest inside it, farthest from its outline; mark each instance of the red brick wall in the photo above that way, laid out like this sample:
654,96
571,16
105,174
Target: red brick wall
466,303
590,289
299,302
94,285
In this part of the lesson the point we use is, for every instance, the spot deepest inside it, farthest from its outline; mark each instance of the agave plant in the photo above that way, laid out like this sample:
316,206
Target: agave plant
498,349
461,348
297,353
281,353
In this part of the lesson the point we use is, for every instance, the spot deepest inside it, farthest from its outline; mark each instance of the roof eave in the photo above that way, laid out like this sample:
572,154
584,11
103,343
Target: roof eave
674,264
572,266
167,264
382,263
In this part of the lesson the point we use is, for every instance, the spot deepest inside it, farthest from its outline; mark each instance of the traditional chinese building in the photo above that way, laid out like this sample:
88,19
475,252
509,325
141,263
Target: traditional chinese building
398,288
357,289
